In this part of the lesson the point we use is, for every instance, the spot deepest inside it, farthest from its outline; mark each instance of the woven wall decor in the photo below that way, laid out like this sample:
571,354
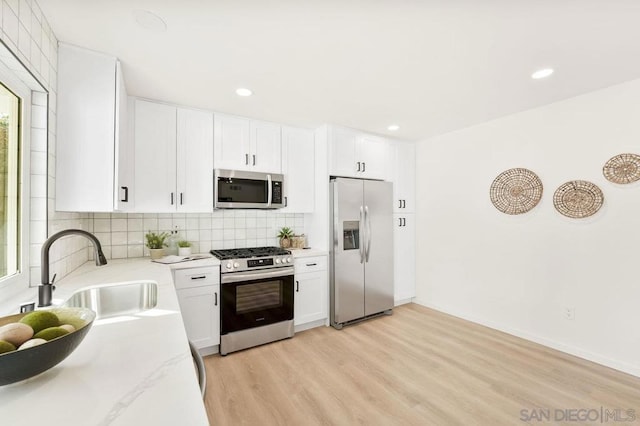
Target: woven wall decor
516,191
623,168
578,199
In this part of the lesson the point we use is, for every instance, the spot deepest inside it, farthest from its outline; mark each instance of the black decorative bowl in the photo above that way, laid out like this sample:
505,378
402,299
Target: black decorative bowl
20,365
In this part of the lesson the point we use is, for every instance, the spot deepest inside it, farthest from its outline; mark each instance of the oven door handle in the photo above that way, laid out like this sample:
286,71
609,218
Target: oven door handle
252,276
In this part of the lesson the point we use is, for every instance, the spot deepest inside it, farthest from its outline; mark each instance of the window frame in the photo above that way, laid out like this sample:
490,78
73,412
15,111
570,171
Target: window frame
20,280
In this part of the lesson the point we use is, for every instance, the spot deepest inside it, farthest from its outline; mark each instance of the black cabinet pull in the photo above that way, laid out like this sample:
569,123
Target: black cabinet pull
172,198
358,166
126,194
404,204
216,299
404,221
181,198
364,167
297,286
286,201
201,277
399,220
400,204
311,264
254,159
246,159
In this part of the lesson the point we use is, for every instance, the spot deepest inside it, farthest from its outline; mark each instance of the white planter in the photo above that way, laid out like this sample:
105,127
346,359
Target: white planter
184,251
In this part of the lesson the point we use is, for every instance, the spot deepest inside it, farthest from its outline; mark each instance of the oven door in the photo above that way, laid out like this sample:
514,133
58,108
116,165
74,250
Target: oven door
256,298
247,190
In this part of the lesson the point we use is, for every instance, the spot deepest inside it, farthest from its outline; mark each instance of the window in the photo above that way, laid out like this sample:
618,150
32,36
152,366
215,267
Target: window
10,223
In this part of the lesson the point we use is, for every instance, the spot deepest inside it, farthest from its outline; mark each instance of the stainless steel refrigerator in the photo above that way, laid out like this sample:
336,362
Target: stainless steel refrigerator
362,249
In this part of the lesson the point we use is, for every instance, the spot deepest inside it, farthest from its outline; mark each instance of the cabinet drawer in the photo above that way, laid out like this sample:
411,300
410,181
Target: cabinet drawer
196,277
310,264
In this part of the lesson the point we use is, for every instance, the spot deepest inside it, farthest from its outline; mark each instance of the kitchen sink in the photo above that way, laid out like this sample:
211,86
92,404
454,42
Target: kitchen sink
112,300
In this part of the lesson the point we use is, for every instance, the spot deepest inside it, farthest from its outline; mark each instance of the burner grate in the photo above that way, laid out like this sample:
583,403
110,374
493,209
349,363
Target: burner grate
244,253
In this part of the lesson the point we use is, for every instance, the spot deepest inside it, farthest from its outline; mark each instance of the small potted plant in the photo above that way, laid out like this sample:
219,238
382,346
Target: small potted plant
156,243
285,235
184,248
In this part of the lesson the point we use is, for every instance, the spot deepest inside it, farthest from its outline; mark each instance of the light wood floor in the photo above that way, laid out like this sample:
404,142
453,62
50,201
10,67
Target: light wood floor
416,367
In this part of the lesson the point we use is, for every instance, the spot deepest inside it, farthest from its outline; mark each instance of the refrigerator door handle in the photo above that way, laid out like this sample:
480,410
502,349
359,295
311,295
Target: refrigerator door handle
361,227
367,221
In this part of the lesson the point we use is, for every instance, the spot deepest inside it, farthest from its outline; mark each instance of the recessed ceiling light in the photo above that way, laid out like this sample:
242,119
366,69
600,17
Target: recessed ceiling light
393,127
543,73
243,92
149,20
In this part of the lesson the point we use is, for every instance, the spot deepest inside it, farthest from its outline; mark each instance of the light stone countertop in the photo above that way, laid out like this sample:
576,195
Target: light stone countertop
297,253
131,370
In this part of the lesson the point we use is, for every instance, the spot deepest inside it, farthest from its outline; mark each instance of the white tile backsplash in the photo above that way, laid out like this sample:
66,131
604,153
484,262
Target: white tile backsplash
122,235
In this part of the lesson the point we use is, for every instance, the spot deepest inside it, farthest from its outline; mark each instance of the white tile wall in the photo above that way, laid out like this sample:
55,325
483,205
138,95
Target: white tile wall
26,32
122,235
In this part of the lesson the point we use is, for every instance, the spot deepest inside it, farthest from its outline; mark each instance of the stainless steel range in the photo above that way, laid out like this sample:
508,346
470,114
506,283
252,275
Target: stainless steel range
256,287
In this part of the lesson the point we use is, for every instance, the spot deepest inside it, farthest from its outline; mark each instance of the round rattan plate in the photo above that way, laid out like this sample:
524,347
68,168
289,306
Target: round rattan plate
623,168
516,191
578,199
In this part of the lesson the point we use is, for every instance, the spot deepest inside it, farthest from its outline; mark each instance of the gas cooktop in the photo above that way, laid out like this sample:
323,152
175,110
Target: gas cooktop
245,253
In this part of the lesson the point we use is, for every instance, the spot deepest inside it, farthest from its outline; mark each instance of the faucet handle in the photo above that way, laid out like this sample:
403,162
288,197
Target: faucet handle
53,280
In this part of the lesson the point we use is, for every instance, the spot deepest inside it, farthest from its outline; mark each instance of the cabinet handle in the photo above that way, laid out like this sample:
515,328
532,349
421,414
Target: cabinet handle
172,198
364,167
126,194
254,159
404,204
400,204
358,166
181,198
404,221
246,159
215,303
200,277
311,264
286,201
297,286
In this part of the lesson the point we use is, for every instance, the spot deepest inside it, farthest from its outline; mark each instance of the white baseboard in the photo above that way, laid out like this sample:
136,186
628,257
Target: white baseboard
571,350
403,301
309,325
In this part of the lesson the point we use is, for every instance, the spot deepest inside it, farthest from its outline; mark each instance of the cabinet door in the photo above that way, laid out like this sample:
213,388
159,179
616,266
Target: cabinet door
404,180
265,147
125,152
85,126
194,161
298,168
342,152
200,308
373,153
310,303
155,157
231,143
404,246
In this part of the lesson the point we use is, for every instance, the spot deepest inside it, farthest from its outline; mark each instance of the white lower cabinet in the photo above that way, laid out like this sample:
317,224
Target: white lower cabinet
310,297
404,271
198,292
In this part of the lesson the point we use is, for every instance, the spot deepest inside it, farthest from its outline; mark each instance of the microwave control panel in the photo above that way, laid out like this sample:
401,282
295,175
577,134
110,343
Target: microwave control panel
276,193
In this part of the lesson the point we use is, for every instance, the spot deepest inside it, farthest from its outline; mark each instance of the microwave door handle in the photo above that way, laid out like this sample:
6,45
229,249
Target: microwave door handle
269,191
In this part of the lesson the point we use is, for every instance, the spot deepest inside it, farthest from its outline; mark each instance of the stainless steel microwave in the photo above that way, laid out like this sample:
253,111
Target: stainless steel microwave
234,189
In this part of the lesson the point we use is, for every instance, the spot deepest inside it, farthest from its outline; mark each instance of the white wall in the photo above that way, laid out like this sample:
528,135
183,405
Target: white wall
518,273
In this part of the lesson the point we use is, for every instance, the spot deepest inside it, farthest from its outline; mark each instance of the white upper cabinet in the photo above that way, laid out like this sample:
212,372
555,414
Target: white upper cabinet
243,144
265,147
194,166
231,142
404,178
92,148
155,157
358,155
173,159
298,168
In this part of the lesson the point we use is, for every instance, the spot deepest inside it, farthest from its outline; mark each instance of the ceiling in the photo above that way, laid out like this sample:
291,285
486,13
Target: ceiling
430,66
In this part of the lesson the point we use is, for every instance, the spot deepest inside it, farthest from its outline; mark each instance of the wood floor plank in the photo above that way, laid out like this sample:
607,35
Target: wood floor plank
415,367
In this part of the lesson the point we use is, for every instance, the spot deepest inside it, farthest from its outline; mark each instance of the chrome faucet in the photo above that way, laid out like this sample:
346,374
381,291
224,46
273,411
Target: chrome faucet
45,289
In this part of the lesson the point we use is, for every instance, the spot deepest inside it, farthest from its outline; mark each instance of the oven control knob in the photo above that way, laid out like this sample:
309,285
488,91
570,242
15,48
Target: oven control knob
236,265
229,265
277,261
288,260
